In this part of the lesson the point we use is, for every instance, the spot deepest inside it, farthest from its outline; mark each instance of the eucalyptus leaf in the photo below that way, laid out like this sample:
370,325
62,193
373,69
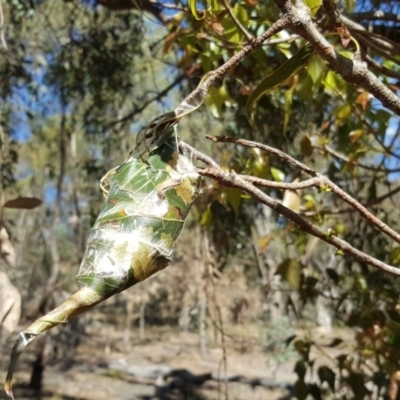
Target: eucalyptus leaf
285,71
193,9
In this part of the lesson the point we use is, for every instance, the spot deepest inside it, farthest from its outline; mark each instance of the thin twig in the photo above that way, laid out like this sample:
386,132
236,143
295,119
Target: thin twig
242,29
198,95
269,149
232,180
145,104
323,181
381,68
313,182
378,48
339,156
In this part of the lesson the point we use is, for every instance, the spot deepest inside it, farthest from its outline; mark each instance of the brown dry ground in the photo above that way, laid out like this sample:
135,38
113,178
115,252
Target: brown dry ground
93,377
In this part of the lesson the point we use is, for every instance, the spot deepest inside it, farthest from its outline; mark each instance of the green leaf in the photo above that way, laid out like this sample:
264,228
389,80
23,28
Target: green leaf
290,272
285,71
193,9
343,111
313,5
288,109
215,5
304,89
315,69
234,197
277,174
264,242
216,99
309,201
350,5
258,165
206,218
396,255
285,49
355,135
334,84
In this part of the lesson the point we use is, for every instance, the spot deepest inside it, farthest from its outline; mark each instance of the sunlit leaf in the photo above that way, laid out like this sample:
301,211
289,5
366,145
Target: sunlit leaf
231,30
264,242
216,99
292,200
350,5
343,111
206,218
234,198
284,48
290,272
334,84
259,164
277,174
286,70
364,98
355,135
313,5
215,5
241,14
27,203
309,201
395,255
169,42
316,69
193,9
340,228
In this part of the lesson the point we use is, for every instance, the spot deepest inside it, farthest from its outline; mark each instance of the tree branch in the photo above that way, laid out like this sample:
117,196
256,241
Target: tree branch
231,179
353,71
138,110
200,93
322,183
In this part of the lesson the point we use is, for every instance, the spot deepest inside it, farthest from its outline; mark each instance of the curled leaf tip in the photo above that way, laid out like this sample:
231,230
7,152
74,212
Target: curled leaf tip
79,302
8,389
24,338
